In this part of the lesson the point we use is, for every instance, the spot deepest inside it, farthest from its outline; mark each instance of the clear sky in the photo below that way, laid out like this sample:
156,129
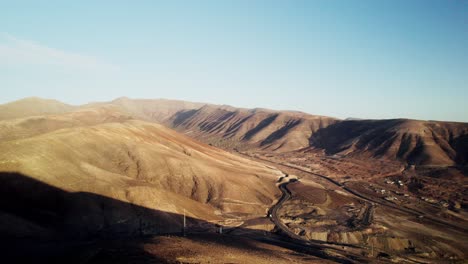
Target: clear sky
367,59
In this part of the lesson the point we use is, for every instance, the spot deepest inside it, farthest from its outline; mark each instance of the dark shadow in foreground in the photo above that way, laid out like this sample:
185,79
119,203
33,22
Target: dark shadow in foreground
40,223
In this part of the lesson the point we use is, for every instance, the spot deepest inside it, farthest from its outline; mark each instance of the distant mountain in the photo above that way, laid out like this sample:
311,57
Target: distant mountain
32,106
409,141
227,126
30,126
261,129
412,141
155,110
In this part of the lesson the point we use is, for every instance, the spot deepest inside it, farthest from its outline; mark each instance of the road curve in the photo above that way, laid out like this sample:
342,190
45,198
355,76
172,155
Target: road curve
273,212
273,215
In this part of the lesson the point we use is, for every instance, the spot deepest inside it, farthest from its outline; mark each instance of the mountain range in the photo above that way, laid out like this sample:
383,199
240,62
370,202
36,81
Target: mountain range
413,142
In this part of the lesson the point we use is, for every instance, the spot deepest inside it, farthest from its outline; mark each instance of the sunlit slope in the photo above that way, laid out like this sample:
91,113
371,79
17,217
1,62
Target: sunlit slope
227,126
409,141
25,127
154,110
33,106
260,129
143,164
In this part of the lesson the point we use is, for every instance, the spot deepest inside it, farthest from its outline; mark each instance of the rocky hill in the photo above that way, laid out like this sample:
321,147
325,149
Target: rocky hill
112,174
411,141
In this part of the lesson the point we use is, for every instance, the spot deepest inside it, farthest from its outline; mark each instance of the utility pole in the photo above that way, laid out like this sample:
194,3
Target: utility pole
185,223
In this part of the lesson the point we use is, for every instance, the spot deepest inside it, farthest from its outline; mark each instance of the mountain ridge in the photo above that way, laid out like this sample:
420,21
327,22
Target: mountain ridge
410,141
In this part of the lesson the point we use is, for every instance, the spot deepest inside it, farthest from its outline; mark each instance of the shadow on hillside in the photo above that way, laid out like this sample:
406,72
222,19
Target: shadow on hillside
41,223
337,137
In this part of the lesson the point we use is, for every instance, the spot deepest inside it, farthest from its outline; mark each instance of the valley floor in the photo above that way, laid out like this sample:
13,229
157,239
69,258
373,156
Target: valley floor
380,214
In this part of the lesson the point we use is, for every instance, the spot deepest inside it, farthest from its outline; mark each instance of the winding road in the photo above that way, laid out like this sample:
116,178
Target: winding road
273,215
273,212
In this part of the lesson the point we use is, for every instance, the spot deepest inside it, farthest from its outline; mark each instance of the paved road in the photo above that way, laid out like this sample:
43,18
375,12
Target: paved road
351,251
273,212
368,215
273,215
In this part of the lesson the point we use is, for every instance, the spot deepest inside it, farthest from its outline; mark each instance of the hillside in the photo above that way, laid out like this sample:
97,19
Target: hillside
227,126
32,106
408,141
121,175
411,141
249,128
35,125
154,110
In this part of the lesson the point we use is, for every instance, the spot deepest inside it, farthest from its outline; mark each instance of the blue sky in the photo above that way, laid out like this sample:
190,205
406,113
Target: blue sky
368,59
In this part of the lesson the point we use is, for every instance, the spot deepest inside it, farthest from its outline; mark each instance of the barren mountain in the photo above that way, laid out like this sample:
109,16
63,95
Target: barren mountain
118,175
32,106
407,141
35,125
228,126
249,128
411,141
155,110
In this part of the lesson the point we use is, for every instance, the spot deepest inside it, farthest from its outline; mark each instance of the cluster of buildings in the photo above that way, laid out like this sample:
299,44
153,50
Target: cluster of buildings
396,182
389,195
434,201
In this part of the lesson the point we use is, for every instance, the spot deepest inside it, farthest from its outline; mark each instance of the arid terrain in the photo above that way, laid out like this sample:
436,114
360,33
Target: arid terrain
164,181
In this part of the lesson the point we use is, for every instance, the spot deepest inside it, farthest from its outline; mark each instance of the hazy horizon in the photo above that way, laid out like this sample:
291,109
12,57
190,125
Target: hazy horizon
365,59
